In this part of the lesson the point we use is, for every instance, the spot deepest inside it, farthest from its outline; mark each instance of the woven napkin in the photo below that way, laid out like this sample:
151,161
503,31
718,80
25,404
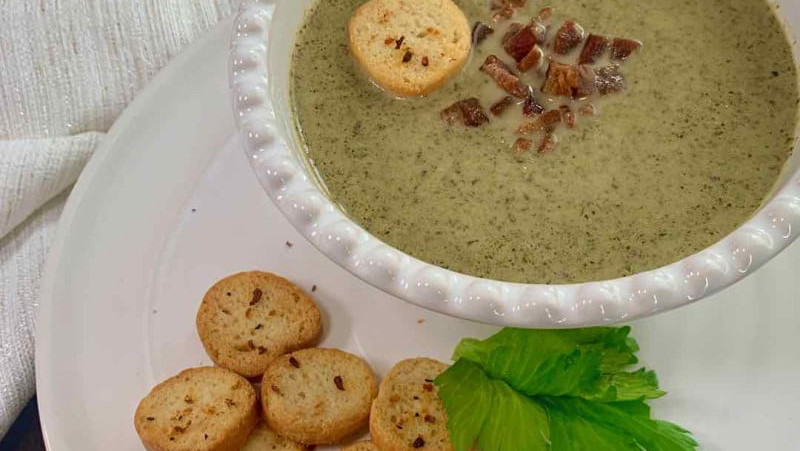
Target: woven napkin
67,70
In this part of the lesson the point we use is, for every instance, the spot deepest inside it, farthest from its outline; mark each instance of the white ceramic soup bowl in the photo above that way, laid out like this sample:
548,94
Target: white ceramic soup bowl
259,74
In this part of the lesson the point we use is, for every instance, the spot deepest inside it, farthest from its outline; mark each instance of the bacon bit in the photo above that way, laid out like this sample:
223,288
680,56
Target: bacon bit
407,57
294,362
532,60
425,61
389,41
587,83
622,48
261,350
504,78
546,121
569,81
544,15
480,32
561,78
587,110
339,383
430,419
468,112
594,48
521,43
399,43
609,80
522,145
473,113
567,38
532,107
501,105
567,115
419,442
549,143
427,387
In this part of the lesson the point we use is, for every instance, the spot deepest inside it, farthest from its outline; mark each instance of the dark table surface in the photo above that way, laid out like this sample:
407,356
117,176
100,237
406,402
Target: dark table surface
26,433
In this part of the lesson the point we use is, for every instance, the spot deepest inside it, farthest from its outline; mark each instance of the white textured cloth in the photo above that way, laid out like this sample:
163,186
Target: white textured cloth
67,69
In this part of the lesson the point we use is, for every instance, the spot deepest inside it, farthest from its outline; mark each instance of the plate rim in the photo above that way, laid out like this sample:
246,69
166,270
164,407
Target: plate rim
55,255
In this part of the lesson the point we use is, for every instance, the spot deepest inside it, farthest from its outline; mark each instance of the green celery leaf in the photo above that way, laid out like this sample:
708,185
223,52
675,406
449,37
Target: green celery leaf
489,412
467,396
573,433
555,362
566,390
626,386
516,422
641,432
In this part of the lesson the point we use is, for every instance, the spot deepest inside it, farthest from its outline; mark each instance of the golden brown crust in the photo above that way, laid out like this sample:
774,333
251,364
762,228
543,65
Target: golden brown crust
182,413
410,48
248,319
318,396
408,413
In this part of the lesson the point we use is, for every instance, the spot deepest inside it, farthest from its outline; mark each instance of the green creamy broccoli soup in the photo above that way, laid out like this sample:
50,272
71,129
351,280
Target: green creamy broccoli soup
679,158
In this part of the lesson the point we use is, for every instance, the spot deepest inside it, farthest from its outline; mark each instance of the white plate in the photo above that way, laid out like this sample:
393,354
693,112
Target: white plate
169,205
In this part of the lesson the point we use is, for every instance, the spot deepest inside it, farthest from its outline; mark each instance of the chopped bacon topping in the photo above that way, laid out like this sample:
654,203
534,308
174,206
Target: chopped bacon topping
501,105
567,38
593,49
609,80
549,143
622,48
521,43
468,112
522,145
567,115
531,107
505,9
569,81
473,113
480,32
561,78
533,60
544,15
546,121
504,78
587,83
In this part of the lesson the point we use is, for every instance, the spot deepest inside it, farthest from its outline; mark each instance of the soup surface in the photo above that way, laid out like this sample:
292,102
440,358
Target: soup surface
680,159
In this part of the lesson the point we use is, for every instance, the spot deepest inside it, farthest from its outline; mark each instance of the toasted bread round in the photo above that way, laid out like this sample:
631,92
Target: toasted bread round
410,47
200,409
408,413
265,439
318,396
248,319
361,446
